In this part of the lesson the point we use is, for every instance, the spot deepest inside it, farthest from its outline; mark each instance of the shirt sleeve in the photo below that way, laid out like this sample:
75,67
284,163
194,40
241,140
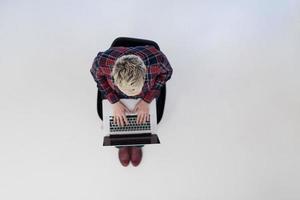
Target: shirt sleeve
164,75
102,83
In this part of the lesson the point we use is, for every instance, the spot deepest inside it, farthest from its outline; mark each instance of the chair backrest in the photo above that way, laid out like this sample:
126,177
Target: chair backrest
132,42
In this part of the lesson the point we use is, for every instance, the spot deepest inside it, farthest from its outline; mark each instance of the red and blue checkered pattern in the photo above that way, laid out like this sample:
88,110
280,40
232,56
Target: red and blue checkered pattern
158,72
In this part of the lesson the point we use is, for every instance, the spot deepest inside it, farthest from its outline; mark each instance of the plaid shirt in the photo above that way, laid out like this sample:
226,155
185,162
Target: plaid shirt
158,72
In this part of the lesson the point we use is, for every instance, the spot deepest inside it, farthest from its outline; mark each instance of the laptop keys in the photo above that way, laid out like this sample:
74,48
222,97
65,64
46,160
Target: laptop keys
131,127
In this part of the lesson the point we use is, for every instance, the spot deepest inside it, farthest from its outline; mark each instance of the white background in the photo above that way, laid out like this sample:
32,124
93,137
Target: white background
232,118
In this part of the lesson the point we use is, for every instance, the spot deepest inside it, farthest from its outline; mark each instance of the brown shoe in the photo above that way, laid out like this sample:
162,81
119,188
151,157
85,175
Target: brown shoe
136,155
124,156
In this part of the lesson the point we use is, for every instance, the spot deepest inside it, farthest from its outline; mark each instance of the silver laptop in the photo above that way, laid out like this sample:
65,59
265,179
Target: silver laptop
133,133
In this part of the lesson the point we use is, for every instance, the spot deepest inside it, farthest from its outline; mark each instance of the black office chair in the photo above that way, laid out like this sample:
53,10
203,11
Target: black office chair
131,42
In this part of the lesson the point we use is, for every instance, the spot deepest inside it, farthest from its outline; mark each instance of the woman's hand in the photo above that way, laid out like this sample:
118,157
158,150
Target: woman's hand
142,110
119,110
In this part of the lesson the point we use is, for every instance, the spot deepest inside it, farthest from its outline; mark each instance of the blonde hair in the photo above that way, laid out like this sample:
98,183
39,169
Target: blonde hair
129,71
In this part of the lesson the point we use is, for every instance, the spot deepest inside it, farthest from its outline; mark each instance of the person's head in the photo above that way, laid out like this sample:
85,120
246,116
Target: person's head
128,73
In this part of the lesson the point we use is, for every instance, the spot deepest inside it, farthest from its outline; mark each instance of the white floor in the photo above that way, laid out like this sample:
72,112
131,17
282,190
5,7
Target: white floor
232,119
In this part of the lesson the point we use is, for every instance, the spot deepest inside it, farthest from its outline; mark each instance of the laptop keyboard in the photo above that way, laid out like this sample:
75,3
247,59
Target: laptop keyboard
131,127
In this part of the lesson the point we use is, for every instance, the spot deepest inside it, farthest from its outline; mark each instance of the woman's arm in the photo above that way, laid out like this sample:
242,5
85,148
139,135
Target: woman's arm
102,83
165,74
